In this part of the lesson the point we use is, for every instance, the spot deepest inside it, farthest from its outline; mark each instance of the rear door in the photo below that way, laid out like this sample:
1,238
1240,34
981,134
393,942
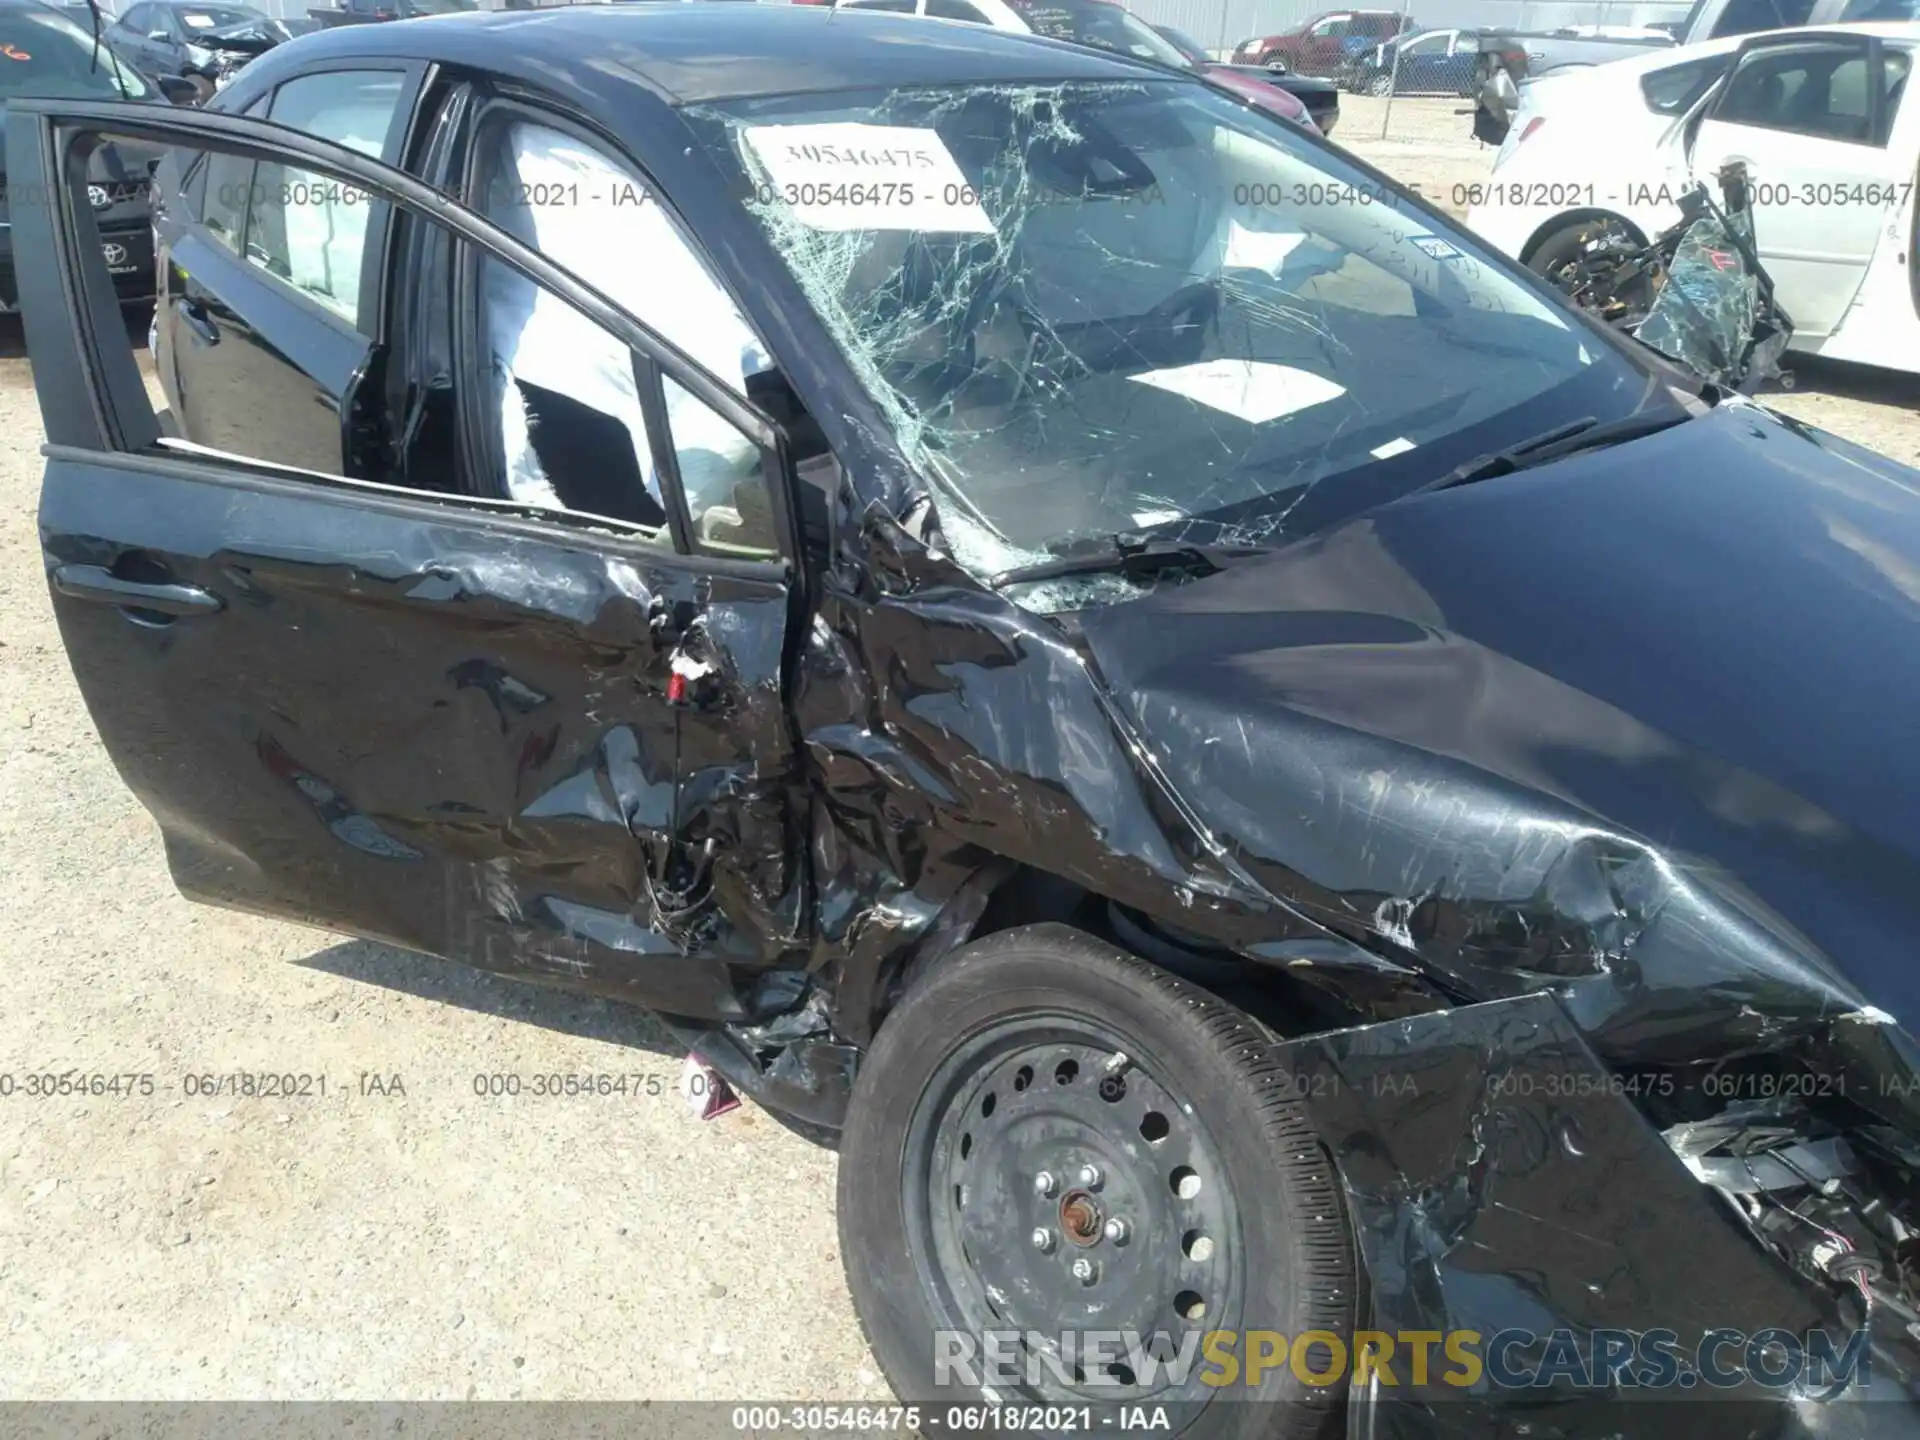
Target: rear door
542,741
258,318
1809,115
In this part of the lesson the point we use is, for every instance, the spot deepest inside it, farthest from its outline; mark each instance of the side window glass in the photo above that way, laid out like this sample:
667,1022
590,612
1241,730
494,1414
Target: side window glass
955,10
1821,90
223,207
308,230
587,212
136,19
217,187
353,108
1870,10
728,496
1677,88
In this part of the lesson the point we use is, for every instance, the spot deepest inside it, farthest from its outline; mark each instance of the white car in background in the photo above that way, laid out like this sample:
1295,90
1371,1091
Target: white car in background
1824,122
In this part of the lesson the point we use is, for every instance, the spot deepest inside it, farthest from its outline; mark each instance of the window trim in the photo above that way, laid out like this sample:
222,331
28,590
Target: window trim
487,109
1877,137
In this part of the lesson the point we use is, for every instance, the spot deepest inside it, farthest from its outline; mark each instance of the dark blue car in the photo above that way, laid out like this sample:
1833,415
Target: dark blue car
1432,62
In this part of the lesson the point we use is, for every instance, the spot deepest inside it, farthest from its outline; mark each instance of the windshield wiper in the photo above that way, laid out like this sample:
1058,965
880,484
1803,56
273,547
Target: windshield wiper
1576,435
1135,556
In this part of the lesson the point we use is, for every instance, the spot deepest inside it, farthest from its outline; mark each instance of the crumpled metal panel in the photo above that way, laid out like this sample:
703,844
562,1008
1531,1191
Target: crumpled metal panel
1707,312
1499,1179
1464,736
453,735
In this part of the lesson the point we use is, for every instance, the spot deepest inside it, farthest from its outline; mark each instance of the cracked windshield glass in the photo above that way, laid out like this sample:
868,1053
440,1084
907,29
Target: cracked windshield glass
1104,316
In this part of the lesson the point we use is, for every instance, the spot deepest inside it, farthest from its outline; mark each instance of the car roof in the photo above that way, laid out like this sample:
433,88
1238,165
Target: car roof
1662,56
689,54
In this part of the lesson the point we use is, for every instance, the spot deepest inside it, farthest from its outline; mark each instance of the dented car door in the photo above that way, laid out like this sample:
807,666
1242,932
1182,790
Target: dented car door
540,742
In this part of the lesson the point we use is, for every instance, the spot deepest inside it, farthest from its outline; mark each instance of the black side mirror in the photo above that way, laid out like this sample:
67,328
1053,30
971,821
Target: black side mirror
178,89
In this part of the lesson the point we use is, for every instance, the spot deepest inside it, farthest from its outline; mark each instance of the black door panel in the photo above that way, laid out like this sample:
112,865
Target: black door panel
407,723
511,738
255,371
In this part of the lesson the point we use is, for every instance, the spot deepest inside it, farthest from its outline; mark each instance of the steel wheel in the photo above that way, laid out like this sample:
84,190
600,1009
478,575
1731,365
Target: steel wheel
1003,1172
1052,1181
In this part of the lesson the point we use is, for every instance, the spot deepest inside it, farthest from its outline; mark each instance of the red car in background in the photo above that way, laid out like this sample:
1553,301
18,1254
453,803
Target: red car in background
1320,45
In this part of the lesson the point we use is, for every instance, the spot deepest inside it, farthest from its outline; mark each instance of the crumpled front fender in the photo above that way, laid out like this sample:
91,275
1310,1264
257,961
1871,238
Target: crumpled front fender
1500,1179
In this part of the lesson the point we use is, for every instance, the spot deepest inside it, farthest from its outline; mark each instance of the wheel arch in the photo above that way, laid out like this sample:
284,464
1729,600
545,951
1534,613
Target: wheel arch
1296,986
1566,219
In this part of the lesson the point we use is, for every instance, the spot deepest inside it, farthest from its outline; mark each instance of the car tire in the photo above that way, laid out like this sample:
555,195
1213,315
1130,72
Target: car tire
1089,1056
1380,86
1563,245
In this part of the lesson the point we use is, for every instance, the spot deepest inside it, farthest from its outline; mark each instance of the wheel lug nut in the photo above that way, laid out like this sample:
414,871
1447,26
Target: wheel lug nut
1043,1183
1084,1272
1116,1230
1043,1240
1090,1176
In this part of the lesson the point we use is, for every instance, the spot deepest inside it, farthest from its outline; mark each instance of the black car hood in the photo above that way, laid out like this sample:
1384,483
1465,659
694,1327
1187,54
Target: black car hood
1298,85
1636,726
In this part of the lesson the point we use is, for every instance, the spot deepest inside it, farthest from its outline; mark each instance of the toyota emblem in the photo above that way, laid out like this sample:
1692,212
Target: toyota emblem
99,198
116,254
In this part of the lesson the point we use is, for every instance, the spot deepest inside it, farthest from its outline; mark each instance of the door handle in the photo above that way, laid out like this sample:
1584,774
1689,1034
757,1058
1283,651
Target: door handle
98,584
190,311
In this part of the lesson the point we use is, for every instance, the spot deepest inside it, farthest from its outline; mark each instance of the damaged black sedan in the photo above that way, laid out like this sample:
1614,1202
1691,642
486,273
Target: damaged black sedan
1332,840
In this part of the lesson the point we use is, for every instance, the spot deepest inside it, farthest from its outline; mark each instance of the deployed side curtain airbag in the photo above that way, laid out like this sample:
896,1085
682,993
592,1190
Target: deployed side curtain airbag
586,213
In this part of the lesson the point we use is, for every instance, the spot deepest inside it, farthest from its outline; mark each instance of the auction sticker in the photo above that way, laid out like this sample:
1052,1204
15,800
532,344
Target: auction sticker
1436,248
848,176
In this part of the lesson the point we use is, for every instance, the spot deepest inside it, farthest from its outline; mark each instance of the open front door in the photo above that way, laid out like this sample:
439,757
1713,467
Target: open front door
541,742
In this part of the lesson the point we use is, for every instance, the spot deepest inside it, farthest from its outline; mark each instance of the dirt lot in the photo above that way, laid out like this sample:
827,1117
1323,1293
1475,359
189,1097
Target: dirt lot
433,1244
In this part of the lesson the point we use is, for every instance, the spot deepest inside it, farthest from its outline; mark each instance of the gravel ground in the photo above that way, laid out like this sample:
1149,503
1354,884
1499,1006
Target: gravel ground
427,1245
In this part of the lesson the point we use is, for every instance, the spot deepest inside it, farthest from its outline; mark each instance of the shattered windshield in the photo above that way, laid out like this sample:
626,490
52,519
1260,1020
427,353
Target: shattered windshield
1107,308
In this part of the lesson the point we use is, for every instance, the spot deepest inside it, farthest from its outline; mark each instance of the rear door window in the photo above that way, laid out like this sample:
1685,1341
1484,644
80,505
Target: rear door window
1823,89
309,231
956,10
1677,88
